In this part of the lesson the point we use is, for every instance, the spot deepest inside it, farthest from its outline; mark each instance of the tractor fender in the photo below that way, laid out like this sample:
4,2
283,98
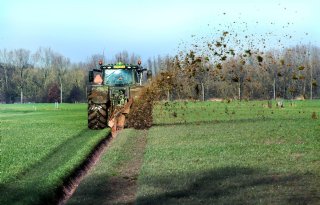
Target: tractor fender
98,96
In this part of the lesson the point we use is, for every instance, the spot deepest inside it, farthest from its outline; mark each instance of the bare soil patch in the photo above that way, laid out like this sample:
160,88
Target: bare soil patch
114,179
122,188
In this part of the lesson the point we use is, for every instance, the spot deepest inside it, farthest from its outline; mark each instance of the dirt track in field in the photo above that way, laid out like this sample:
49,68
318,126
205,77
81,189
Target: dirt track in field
122,188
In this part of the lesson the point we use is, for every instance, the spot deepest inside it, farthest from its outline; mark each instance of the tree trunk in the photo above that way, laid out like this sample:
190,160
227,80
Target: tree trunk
202,88
6,78
274,88
311,79
311,91
178,93
21,96
304,88
239,90
60,89
61,92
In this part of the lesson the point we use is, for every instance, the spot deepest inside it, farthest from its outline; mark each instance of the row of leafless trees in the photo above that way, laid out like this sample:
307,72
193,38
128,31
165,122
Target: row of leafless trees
249,74
42,76
48,76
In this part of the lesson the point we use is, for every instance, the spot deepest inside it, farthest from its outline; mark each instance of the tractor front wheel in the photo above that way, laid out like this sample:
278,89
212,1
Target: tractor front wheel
97,116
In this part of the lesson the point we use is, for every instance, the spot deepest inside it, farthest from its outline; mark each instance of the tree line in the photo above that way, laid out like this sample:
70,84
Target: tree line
47,76
43,76
219,72
248,74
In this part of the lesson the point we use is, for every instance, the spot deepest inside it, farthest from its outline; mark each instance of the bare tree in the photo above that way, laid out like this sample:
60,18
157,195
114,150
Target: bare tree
6,58
122,57
93,61
134,58
60,63
42,59
22,62
149,61
315,56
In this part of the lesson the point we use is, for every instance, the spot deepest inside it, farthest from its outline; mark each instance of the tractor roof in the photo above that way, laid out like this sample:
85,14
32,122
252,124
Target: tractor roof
120,65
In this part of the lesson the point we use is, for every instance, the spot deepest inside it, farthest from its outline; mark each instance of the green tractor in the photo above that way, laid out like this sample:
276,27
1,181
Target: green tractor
111,92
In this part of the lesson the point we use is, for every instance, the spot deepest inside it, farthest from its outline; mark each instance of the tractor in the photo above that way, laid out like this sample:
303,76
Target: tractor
111,92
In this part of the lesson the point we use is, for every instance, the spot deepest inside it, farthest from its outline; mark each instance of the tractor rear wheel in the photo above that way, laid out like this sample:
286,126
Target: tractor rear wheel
97,116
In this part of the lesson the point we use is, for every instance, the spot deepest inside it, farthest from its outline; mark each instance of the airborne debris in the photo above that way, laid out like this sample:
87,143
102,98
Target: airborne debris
214,60
218,44
248,52
260,59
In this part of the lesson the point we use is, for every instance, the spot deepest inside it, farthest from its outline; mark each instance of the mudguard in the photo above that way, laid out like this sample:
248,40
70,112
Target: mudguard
99,95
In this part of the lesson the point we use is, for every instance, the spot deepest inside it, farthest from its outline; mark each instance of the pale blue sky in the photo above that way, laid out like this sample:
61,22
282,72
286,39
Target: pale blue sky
79,28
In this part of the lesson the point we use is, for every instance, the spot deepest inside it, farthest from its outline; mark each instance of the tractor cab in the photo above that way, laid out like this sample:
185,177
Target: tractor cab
116,75
122,74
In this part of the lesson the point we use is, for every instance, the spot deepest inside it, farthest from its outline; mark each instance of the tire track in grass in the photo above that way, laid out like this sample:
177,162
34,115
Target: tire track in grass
124,186
70,184
114,179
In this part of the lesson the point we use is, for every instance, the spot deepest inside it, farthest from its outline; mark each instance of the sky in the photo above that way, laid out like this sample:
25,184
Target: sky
80,28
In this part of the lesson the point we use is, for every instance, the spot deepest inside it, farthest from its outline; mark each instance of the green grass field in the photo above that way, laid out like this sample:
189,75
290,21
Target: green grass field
40,146
196,153
232,153
218,153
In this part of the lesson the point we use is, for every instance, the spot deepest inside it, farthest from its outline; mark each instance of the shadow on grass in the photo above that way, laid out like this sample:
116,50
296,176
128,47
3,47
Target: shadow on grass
231,185
37,183
105,189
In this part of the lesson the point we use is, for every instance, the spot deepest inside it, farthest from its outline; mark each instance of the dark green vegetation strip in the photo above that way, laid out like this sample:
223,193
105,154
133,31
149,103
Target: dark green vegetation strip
40,147
113,179
232,153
